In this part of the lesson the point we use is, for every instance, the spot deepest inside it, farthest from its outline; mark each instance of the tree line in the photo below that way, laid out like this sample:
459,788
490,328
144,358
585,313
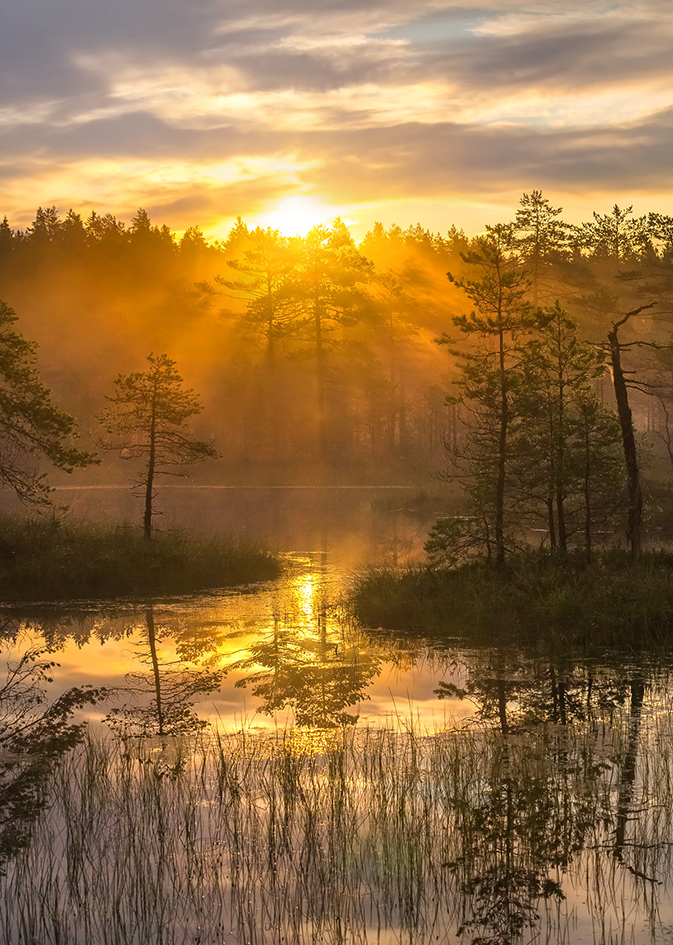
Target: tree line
318,353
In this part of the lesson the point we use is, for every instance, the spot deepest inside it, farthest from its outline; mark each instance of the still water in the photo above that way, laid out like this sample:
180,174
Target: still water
261,769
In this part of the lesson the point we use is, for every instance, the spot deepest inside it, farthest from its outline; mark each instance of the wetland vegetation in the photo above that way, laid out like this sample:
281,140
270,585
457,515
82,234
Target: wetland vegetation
546,823
44,560
552,601
384,786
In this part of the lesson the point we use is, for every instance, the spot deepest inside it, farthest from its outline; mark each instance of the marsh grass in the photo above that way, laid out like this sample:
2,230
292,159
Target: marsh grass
562,601
375,835
43,560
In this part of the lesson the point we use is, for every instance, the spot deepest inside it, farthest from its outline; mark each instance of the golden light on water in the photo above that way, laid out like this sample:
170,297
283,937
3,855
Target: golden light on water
305,588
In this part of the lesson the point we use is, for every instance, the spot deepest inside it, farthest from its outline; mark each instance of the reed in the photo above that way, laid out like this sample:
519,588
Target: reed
372,835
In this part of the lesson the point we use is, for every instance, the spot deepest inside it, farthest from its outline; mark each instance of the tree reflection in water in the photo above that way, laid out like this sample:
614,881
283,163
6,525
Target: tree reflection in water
316,670
164,696
561,785
464,836
304,659
526,821
35,733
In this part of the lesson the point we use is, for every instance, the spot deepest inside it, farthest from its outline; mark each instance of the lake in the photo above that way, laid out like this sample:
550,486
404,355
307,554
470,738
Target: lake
263,770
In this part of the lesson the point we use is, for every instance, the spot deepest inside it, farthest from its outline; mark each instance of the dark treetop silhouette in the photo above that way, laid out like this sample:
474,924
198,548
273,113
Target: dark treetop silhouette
31,425
148,415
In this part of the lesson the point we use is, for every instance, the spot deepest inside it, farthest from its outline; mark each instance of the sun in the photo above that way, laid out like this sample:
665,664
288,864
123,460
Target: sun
295,216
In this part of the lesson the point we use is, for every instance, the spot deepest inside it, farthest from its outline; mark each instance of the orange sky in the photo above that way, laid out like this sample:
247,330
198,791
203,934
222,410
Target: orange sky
438,113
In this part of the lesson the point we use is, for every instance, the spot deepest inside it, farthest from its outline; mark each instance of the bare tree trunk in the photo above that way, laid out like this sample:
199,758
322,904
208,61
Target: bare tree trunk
635,514
502,705
627,777
551,524
587,497
402,416
320,379
502,459
559,463
551,518
634,524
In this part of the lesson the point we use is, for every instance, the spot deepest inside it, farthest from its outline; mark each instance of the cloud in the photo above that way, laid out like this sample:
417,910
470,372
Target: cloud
181,106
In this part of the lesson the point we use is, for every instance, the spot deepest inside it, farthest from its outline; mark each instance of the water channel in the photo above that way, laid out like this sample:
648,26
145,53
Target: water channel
261,769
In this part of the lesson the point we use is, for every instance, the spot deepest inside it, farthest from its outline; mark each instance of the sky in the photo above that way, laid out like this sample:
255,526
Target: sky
288,112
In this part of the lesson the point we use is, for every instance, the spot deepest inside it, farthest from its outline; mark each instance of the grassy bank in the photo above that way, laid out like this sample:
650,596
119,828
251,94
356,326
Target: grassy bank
536,597
44,561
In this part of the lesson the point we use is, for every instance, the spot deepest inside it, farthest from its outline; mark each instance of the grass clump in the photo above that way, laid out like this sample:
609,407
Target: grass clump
42,560
369,836
535,597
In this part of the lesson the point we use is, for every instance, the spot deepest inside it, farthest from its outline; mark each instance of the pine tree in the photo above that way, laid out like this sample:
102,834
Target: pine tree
614,236
490,376
32,427
556,451
262,282
540,236
147,417
326,291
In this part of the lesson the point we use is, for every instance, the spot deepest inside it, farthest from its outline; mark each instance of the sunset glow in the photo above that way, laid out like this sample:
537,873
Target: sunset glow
336,466
440,110
295,216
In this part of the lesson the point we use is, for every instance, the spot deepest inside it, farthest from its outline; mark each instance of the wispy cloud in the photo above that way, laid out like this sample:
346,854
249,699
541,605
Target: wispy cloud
179,106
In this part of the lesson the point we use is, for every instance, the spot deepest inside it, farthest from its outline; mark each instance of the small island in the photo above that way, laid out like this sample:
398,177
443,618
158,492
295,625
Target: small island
75,560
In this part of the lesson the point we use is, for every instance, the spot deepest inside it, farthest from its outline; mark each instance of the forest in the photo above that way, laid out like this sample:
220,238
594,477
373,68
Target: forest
409,358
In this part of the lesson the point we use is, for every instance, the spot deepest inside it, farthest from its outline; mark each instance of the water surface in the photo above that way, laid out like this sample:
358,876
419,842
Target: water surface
265,770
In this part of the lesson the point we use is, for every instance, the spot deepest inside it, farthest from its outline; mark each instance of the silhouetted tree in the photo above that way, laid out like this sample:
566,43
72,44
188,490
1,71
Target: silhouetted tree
660,228
540,236
556,448
614,236
105,230
6,238
394,313
261,282
326,291
193,241
490,375
600,468
31,425
147,417
46,227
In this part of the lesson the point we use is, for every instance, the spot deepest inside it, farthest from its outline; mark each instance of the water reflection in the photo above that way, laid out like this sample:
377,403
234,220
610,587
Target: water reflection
518,689
163,697
36,733
470,836
546,814
314,665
